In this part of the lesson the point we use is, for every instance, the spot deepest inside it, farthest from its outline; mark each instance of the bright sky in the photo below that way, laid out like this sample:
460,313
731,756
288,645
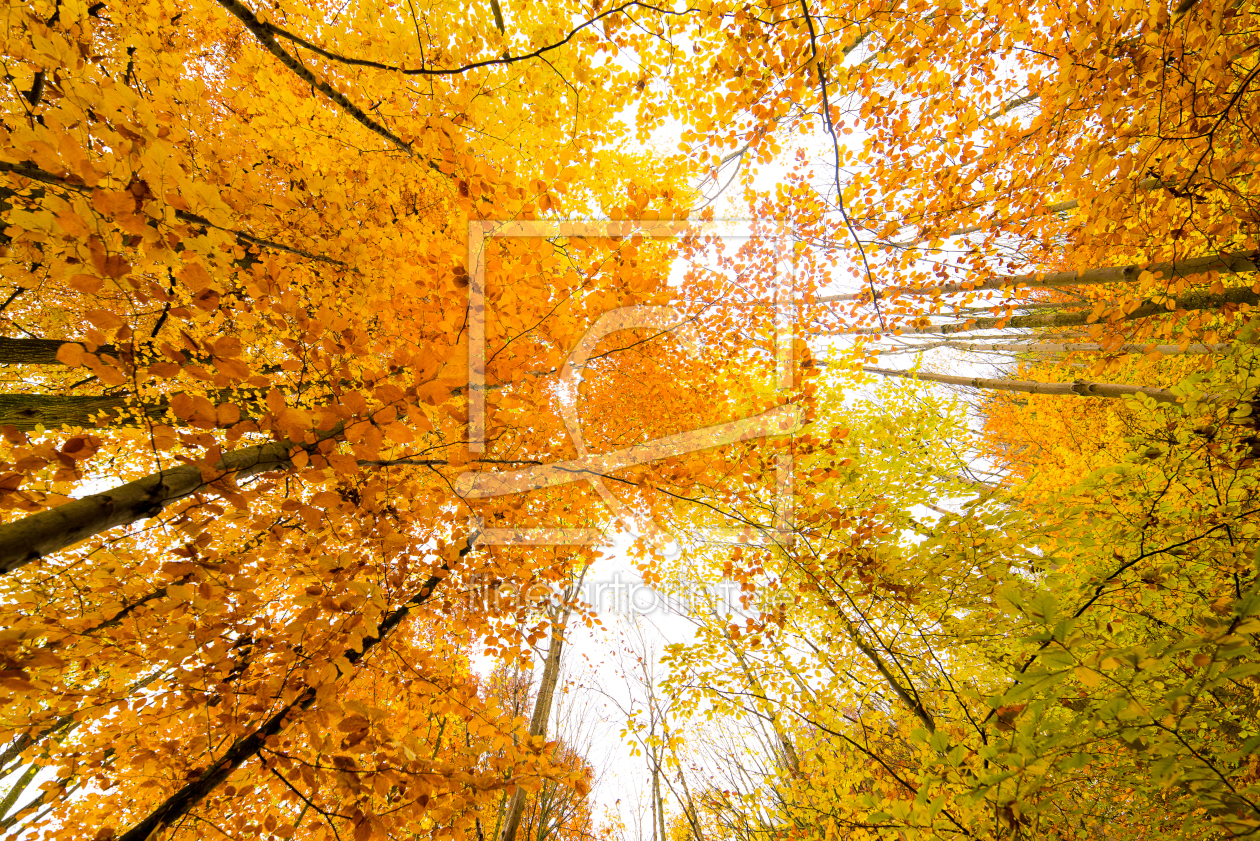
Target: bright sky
601,673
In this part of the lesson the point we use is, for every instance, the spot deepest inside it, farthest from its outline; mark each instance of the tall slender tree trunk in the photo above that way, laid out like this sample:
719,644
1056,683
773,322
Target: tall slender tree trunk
60,727
1077,389
1193,301
692,813
542,707
658,802
15,790
1238,262
1068,347
658,825
787,750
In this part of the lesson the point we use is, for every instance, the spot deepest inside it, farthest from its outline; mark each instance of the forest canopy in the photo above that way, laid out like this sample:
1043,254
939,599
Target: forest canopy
341,345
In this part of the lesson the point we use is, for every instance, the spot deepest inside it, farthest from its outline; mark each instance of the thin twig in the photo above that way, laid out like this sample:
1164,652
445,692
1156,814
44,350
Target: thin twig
835,145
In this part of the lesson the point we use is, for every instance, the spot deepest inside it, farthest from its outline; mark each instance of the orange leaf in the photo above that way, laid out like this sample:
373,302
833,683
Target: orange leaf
343,463
227,347
183,406
116,266
109,203
234,368
194,276
294,418
206,299
91,284
70,354
104,319
70,222
109,374
227,414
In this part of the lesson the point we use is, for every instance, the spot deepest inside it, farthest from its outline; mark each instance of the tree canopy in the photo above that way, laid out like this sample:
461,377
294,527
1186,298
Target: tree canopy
332,336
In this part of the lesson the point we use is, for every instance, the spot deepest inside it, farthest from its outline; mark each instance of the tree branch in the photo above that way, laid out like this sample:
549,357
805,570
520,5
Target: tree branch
183,801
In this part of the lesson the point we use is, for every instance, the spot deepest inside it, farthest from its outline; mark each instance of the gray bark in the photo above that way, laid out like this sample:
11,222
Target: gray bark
37,535
1077,389
541,715
1239,262
1190,302
1068,347
51,411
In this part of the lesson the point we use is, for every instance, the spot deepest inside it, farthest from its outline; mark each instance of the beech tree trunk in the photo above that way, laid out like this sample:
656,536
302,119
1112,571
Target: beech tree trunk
541,715
1066,347
37,535
244,749
1078,389
1187,303
35,351
27,411
786,749
1239,262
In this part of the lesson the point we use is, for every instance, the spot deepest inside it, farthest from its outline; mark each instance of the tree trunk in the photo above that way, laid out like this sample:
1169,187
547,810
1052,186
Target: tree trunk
37,535
1191,302
1239,262
690,810
35,351
1078,389
1082,347
185,799
60,727
541,715
27,411
660,800
19,785
655,757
